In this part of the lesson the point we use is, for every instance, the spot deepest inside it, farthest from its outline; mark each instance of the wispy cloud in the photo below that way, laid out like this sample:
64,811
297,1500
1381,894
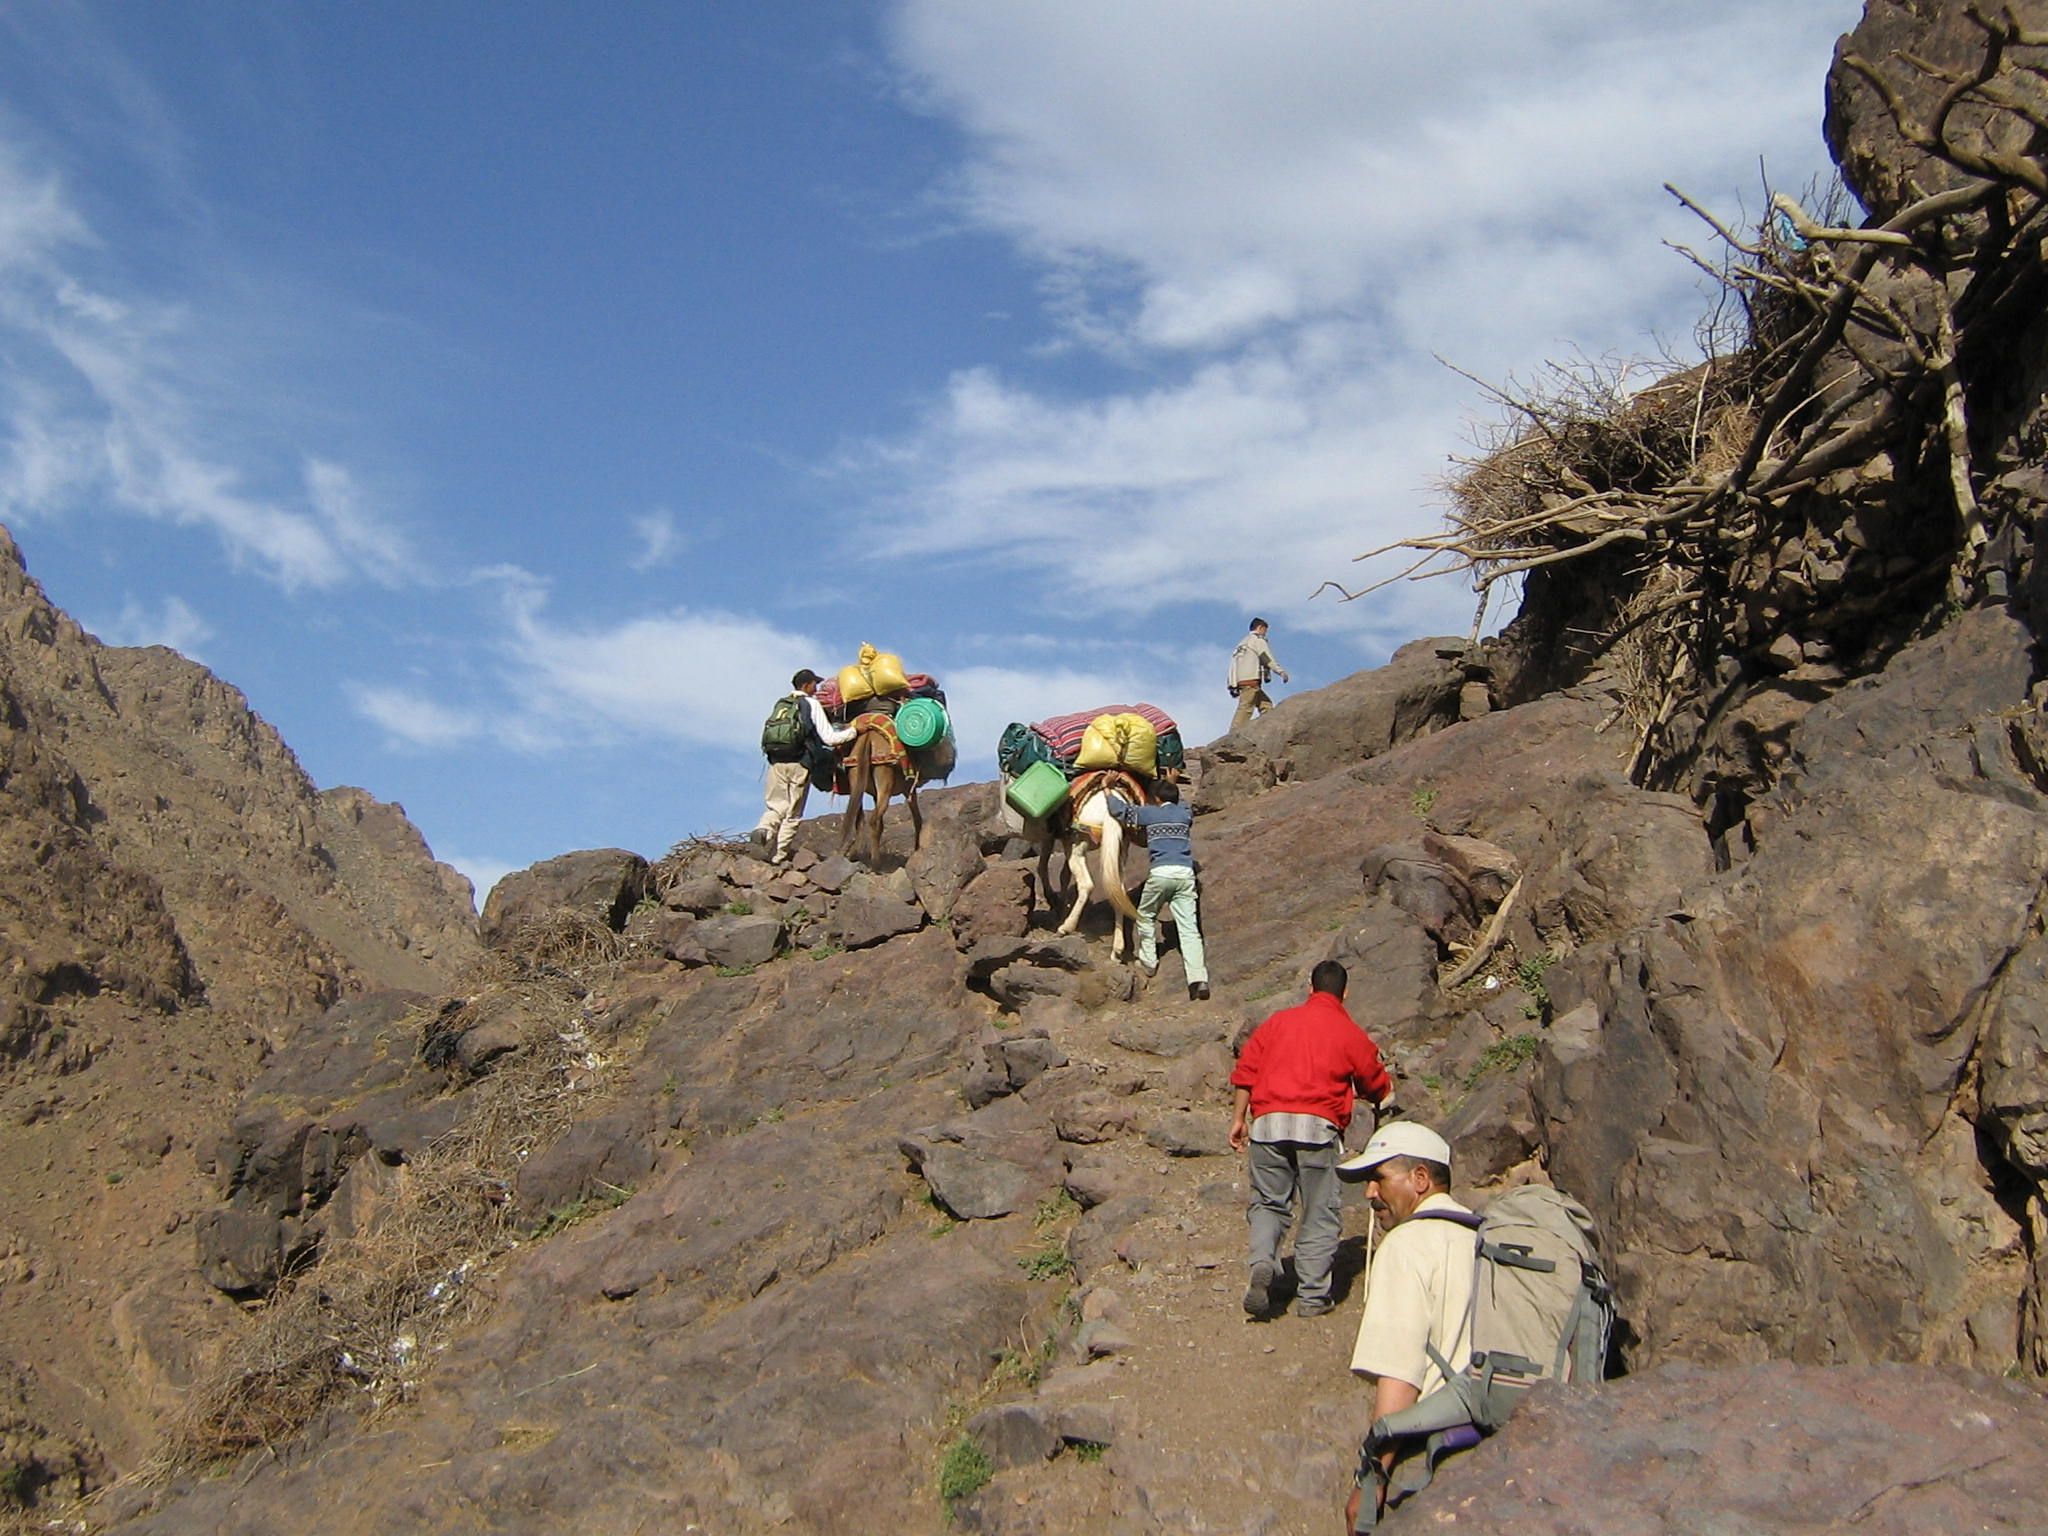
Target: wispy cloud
701,677
1278,219
656,537
172,622
412,719
104,409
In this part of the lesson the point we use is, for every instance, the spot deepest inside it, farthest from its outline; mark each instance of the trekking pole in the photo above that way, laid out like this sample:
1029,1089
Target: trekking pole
1372,1242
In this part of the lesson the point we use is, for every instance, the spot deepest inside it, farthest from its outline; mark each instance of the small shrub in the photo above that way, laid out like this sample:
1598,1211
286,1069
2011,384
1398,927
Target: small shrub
1503,1055
1530,974
1088,1452
1054,1206
17,1484
964,1469
608,1197
1424,800
1048,1261
738,908
734,970
827,950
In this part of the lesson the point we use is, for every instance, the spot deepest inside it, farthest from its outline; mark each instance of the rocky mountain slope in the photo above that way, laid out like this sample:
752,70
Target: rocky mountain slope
725,1198
175,899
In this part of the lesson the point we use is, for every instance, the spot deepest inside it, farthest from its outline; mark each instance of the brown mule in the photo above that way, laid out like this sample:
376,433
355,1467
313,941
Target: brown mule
872,770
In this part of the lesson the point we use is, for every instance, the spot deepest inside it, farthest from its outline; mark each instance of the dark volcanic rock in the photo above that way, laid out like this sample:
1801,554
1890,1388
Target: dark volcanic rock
942,868
859,921
991,1163
1895,1450
736,941
1877,163
600,883
1361,716
996,904
1231,770
1764,1106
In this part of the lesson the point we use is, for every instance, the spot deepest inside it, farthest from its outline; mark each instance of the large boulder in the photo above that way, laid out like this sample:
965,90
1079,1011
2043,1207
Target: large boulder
941,869
600,883
1894,1450
1877,162
1357,717
996,904
1771,1093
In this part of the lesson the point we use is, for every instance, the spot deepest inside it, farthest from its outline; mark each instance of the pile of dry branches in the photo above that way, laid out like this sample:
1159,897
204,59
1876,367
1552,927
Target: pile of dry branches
1856,350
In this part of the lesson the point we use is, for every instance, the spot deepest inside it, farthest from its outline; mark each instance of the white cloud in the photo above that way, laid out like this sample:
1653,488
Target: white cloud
413,720
357,530
700,677
172,622
109,406
1276,215
656,534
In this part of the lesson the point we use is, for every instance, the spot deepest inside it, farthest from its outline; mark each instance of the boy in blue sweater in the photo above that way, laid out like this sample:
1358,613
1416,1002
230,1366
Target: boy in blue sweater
1168,829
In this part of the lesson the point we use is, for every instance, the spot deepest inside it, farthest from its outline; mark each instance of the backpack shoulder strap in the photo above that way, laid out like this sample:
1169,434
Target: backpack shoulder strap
1469,1219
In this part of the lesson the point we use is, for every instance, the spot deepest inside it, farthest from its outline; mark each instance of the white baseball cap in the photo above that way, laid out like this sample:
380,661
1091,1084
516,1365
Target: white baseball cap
1397,1138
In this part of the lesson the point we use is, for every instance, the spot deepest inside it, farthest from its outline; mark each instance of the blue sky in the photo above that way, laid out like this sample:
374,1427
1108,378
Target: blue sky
509,397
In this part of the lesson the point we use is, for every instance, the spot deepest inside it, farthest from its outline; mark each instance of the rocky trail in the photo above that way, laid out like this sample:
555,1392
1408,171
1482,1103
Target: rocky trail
1217,1422
701,1196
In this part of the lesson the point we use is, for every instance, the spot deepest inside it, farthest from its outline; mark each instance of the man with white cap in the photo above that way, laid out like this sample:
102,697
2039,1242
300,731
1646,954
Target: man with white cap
1419,1289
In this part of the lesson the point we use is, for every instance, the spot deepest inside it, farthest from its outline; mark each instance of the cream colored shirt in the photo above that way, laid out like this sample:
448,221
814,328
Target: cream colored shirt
1420,1290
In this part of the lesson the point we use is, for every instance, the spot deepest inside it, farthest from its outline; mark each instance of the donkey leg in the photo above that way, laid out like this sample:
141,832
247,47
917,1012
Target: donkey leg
1083,883
849,824
882,789
916,817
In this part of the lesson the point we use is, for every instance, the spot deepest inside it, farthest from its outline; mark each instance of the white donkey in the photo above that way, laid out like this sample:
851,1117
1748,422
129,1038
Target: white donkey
1092,866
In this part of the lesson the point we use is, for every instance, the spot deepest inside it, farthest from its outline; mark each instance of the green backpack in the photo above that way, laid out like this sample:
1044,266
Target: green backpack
1542,1309
788,723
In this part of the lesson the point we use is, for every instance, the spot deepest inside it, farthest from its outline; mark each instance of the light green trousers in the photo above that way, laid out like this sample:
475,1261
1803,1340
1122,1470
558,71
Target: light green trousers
1173,884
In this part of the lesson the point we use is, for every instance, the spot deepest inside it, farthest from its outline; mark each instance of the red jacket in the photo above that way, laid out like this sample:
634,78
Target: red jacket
1308,1061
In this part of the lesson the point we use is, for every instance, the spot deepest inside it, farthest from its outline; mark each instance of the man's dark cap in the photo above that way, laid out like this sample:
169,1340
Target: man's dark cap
1257,624
803,679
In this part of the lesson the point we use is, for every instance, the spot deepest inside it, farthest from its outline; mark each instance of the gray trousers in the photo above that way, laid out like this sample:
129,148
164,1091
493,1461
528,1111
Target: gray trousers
1280,1170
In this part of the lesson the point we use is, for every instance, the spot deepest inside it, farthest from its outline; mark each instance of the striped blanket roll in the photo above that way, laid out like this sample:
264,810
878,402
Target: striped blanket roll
1063,732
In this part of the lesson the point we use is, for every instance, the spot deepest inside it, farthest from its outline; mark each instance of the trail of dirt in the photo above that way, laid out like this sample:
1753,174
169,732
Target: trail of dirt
1223,1424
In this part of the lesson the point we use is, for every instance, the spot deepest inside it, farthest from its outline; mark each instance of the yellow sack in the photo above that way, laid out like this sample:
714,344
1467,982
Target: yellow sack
875,672
1120,741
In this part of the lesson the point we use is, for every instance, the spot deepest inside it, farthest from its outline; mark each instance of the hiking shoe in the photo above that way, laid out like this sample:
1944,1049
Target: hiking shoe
1198,991
1258,1296
1317,1308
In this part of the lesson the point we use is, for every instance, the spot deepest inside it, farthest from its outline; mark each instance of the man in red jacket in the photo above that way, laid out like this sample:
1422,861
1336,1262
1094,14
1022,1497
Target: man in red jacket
1295,1083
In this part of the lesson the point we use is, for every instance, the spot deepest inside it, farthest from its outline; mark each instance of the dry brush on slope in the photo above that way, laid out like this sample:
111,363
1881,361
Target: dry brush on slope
1862,465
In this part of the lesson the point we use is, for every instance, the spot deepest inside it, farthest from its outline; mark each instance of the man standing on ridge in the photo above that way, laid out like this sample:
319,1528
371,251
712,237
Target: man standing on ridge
1250,665
1295,1085
1169,840
795,723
